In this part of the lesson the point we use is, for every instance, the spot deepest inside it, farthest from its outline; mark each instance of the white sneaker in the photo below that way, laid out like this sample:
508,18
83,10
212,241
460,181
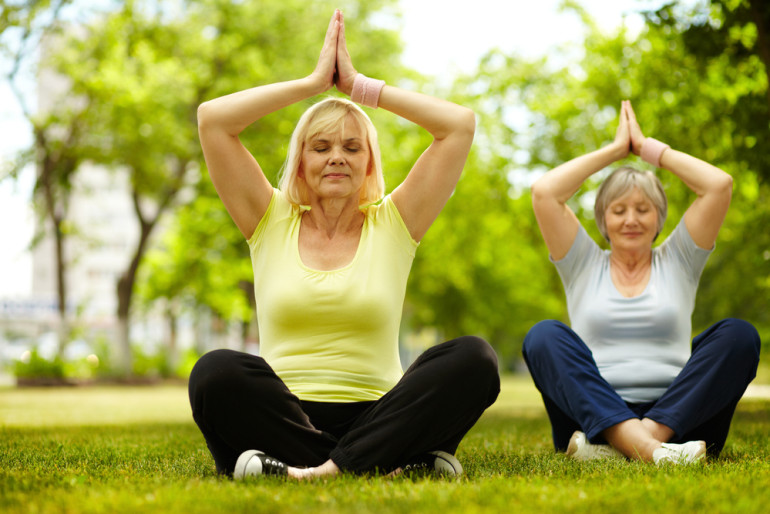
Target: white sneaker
440,463
580,449
254,463
686,453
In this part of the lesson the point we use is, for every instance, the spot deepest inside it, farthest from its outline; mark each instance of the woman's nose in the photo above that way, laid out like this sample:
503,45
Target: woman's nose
631,218
336,156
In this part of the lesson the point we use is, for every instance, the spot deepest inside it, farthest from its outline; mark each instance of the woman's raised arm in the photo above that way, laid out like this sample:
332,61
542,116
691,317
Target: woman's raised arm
550,193
713,187
236,174
433,177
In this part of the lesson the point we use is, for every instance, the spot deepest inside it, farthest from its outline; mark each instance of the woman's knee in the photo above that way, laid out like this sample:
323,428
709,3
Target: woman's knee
739,337
211,365
221,373
541,336
480,366
475,353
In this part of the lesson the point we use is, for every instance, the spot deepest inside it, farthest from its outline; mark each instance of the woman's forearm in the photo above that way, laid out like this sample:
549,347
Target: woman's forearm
700,176
563,181
439,117
234,112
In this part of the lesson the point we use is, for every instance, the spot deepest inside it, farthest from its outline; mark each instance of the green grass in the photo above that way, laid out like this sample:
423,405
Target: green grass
100,449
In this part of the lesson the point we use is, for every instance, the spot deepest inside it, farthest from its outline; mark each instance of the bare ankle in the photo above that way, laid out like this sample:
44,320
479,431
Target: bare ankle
657,430
302,473
328,468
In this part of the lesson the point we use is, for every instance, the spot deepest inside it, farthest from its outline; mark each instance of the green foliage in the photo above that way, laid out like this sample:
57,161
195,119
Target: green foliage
724,108
137,449
203,259
151,365
36,366
711,104
697,76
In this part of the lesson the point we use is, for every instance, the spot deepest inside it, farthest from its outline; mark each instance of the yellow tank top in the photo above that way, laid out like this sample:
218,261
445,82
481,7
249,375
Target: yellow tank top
332,336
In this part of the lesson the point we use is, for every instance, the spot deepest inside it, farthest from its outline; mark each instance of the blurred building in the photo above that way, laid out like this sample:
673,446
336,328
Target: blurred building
102,233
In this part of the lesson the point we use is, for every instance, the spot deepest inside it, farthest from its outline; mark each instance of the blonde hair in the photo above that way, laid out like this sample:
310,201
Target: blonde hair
329,116
621,181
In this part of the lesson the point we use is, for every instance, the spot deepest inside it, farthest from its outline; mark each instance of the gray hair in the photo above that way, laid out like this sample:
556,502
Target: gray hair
621,181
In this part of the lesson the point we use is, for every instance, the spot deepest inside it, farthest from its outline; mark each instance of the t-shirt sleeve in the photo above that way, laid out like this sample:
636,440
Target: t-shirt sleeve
582,252
387,215
277,201
680,247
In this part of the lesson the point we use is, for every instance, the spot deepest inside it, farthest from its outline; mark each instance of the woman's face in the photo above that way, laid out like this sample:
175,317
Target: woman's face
632,221
335,165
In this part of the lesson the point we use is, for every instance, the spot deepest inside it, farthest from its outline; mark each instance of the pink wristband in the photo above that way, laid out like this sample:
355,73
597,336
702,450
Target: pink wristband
651,151
366,91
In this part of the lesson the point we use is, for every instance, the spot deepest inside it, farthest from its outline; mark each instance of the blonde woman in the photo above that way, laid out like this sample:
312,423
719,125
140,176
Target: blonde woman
331,258
625,380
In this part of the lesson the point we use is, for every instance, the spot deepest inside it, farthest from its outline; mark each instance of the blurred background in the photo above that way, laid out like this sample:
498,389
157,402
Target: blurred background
119,262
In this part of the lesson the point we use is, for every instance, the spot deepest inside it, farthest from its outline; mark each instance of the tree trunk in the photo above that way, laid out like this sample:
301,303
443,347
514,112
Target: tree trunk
125,292
173,354
125,287
55,212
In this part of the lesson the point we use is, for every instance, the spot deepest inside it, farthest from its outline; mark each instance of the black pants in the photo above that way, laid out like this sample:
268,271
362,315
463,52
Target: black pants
239,403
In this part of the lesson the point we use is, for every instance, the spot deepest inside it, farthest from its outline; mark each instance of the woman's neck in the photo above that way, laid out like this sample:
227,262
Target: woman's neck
630,271
334,216
631,261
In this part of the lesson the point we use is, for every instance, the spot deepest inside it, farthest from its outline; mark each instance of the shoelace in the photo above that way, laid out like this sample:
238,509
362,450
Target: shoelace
273,466
416,466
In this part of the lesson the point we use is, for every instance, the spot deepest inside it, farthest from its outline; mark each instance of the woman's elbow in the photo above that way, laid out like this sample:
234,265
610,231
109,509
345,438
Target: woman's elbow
727,182
723,185
466,121
538,191
204,114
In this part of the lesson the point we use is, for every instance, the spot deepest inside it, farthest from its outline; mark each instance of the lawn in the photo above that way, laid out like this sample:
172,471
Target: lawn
136,449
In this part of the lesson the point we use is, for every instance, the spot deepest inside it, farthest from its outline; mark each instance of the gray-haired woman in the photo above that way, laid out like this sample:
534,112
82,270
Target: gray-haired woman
625,372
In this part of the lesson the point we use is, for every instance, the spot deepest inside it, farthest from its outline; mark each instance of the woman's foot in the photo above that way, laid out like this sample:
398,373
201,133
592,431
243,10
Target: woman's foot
580,449
686,453
253,463
327,469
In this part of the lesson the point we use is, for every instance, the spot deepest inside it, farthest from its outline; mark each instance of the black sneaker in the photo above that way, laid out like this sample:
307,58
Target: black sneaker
253,463
440,463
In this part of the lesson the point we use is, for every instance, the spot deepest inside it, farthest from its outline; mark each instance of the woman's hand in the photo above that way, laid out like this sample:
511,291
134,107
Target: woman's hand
346,73
637,138
325,70
622,142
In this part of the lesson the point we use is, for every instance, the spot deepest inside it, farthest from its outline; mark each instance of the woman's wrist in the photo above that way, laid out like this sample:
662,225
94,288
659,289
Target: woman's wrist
652,150
366,91
315,85
617,151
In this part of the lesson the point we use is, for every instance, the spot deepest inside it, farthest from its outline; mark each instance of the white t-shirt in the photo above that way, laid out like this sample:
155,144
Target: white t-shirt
642,343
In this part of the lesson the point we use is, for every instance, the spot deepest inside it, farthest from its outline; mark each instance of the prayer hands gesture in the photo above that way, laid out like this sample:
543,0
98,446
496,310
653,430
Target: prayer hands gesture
628,137
334,67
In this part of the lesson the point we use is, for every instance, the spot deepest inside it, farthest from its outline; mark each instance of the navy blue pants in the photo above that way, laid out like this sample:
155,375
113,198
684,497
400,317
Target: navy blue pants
698,405
240,403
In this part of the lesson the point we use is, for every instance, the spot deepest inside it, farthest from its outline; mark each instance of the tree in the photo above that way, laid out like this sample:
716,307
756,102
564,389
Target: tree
701,104
728,43
145,69
57,134
203,258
